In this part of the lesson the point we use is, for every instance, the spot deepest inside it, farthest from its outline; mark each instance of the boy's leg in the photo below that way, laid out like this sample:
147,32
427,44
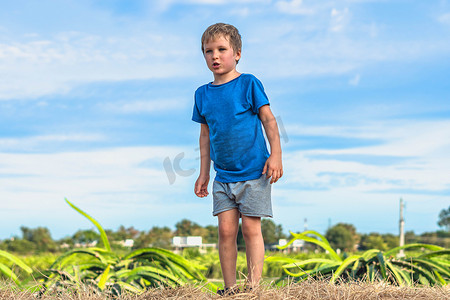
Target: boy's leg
228,230
254,244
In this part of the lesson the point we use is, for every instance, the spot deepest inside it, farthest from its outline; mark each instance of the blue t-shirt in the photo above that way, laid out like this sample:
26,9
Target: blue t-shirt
237,143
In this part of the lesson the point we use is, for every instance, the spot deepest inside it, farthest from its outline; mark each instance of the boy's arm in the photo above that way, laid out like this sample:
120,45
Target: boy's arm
274,165
201,185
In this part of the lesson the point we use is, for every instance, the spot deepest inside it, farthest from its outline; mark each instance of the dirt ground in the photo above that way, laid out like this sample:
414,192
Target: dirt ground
308,290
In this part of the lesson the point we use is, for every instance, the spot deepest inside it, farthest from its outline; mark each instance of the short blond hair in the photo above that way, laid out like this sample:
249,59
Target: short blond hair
227,31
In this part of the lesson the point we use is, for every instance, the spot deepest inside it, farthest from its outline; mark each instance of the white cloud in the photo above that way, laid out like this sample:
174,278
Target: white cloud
331,173
299,54
368,131
410,160
332,42
126,185
365,1
108,172
145,106
355,80
222,1
421,148
242,12
34,65
364,210
404,132
163,5
339,19
20,144
427,138
295,7
444,18
45,66
374,30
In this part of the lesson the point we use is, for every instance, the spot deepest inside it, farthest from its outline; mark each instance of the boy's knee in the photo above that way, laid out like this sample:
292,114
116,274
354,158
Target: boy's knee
251,231
227,232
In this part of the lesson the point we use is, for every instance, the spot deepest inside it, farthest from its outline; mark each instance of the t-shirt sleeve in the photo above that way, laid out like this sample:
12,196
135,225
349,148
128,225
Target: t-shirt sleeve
196,115
256,95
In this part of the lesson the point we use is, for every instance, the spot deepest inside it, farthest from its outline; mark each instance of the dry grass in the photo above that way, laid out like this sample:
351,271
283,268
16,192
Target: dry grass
308,290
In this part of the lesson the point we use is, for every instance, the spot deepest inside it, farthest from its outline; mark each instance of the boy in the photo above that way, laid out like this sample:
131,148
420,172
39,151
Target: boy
231,110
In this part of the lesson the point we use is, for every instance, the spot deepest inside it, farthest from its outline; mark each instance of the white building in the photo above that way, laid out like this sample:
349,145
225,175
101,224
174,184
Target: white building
296,246
181,242
129,243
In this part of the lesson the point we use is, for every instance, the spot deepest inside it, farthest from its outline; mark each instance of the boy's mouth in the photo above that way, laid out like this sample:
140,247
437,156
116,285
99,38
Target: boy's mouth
216,64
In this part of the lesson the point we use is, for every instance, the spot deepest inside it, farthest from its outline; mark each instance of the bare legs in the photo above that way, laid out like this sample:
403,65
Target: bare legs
254,243
228,230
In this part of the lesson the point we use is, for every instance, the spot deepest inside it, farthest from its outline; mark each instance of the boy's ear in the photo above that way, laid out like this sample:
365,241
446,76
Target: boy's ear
238,55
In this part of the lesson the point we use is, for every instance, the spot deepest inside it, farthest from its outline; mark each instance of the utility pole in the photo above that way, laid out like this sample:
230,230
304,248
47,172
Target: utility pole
305,227
402,228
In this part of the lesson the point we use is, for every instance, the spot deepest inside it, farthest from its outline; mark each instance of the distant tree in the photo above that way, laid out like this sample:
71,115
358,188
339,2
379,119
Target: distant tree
443,234
444,238
391,240
41,237
185,227
120,235
440,238
161,237
271,232
155,237
126,233
240,239
352,229
142,241
19,246
85,236
67,240
188,228
410,237
342,236
213,234
111,234
372,241
444,219
429,238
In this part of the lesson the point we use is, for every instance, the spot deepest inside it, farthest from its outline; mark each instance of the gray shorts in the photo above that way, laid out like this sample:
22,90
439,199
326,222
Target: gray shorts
251,197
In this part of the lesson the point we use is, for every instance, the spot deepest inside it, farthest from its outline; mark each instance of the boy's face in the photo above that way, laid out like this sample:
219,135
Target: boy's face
220,56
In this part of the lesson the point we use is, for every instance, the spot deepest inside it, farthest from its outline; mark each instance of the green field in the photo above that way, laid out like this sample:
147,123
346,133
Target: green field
120,271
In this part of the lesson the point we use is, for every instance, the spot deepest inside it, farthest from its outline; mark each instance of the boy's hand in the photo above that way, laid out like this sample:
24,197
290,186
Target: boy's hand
273,168
201,186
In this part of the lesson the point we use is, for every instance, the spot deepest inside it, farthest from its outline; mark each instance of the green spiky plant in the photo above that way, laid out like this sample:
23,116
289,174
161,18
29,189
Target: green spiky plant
8,272
431,267
134,272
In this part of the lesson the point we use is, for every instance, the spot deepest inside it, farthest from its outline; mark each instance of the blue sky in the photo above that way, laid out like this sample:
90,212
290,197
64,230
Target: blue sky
96,95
